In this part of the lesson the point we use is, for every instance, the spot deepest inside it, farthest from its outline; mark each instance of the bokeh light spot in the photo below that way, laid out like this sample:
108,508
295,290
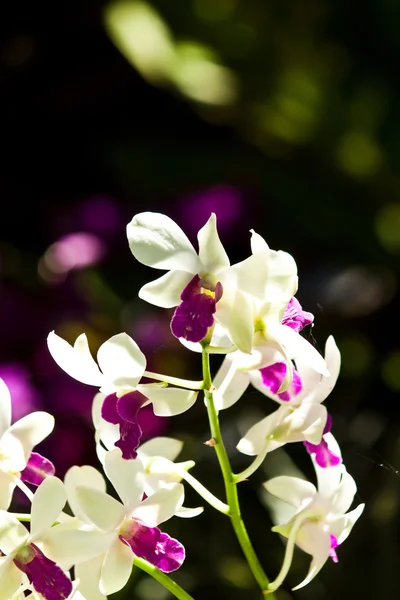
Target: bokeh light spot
357,354
359,155
387,227
391,371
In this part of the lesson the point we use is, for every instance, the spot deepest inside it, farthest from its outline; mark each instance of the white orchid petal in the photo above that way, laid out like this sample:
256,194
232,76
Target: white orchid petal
5,407
257,439
82,476
7,487
166,290
211,251
121,361
169,401
12,533
257,243
235,313
117,567
157,241
319,546
99,508
70,547
188,513
127,477
342,528
329,478
76,360
298,347
47,504
161,506
293,490
230,384
89,573
166,447
11,578
31,430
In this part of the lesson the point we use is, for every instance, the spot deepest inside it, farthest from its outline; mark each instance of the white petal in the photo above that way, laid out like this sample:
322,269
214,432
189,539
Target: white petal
316,542
127,477
47,504
161,506
160,446
76,360
82,476
121,361
256,440
169,401
344,496
117,567
329,478
230,384
211,251
12,533
188,513
292,490
100,509
235,313
7,487
166,290
5,407
343,526
31,430
157,241
68,547
257,243
88,573
11,578
298,347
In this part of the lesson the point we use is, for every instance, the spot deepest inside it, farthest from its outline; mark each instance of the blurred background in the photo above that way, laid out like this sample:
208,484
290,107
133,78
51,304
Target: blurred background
278,115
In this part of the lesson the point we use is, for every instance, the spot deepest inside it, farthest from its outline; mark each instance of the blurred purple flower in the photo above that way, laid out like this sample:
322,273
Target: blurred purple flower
25,398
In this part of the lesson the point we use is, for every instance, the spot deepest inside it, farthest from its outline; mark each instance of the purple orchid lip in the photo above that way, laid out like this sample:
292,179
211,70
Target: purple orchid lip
155,546
295,317
37,469
123,411
194,316
46,577
272,377
323,456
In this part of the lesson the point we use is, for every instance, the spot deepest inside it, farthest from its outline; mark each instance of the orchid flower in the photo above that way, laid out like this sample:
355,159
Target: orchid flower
301,416
157,455
129,525
23,559
121,365
204,286
320,521
16,444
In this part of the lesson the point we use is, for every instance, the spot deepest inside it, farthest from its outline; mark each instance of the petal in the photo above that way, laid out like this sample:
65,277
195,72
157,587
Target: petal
160,446
292,490
161,506
89,573
82,476
166,290
5,408
12,533
187,513
169,401
46,577
235,313
211,251
47,504
11,578
122,362
316,542
37,469
116,569
76,360
31,430
298,347
343,526
230,384
344,496
158,548
263,435
99,508
7,487
71,546
127,477
157,241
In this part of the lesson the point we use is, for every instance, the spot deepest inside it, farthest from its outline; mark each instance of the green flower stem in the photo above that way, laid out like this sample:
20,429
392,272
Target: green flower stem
162,578
251,468
203,491
230,484
184,383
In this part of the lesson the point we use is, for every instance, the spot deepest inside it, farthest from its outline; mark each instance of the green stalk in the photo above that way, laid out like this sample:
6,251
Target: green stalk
162,578
184,383
229,481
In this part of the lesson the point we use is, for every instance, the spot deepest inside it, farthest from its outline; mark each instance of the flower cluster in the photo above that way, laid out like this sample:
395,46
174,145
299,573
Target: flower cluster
88,530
